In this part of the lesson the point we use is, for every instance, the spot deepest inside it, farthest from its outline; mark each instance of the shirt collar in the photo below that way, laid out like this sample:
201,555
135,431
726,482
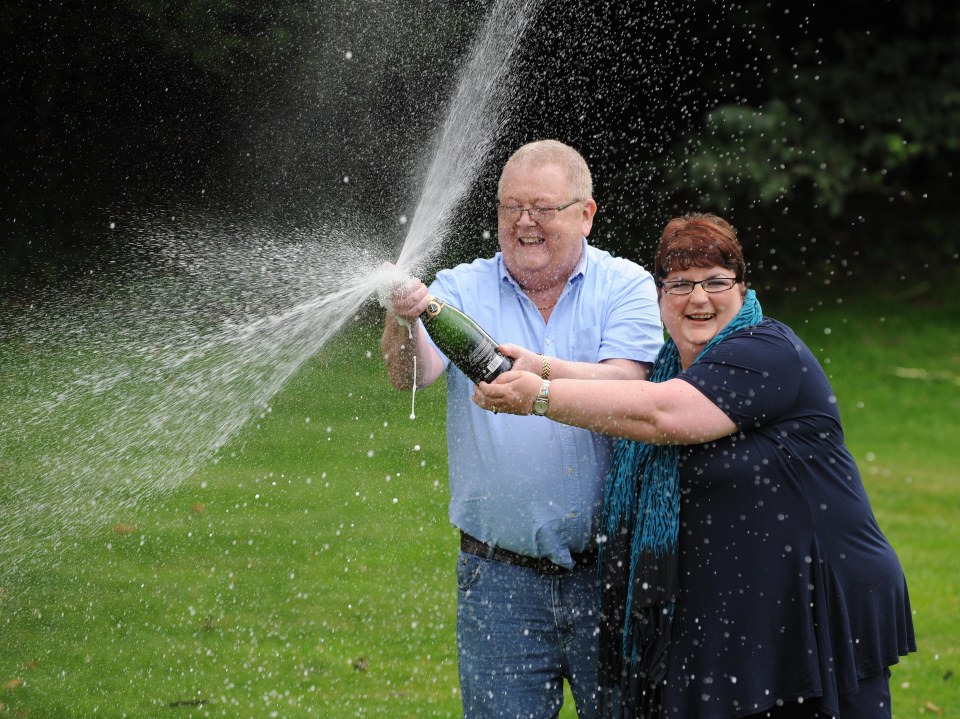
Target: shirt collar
578,271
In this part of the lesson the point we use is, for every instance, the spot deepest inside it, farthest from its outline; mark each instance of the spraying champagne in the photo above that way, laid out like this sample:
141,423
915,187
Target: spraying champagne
457,335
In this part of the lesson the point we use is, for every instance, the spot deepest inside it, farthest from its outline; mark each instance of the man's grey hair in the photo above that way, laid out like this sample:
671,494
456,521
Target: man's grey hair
548,152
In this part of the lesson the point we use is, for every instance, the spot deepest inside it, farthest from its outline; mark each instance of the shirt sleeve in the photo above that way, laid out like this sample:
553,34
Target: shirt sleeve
754,376
632,328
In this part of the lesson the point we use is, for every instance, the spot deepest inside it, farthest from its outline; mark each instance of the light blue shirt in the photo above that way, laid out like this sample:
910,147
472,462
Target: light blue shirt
529,484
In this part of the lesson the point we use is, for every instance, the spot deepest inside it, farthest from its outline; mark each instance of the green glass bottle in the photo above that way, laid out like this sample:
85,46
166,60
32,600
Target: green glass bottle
464,342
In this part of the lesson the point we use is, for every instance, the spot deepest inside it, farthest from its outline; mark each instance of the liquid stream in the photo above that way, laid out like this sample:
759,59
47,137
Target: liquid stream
108,402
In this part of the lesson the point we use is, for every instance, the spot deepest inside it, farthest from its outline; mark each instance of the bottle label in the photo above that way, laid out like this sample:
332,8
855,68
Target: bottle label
485,358
463,341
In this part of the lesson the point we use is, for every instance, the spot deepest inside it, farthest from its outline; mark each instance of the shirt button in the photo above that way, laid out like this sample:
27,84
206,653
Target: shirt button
569,470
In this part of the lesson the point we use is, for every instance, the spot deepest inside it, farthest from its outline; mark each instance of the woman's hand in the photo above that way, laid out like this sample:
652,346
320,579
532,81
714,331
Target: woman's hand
512,392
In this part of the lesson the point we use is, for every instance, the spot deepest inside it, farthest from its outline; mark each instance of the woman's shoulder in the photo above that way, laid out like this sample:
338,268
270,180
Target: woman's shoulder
770,343
767,326
772,331
756,374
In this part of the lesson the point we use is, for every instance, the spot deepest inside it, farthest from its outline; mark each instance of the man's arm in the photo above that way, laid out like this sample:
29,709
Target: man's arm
555,368
402,353
404,346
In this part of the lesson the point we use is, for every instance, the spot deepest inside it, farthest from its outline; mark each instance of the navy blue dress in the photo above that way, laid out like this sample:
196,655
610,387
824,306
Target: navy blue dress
788,588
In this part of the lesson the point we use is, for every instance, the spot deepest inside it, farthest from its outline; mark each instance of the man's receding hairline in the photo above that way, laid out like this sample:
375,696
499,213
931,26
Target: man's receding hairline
552,152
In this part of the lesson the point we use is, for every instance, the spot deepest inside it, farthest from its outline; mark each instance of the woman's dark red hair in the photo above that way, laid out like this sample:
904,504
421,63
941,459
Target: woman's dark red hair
698,239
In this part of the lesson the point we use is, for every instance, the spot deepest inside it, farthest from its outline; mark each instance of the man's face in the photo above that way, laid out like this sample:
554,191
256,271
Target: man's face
542,254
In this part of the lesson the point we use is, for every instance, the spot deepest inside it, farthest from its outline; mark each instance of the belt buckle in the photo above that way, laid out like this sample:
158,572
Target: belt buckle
550,569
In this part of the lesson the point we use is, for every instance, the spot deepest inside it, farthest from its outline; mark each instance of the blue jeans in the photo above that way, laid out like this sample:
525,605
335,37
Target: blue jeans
520,634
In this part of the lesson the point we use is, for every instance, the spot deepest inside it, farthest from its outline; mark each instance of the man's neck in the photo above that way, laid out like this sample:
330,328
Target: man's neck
544,284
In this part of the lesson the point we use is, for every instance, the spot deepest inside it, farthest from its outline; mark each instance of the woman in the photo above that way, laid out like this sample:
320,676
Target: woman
744,572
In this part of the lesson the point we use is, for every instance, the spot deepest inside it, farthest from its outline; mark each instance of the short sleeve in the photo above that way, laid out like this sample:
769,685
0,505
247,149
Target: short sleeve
754,376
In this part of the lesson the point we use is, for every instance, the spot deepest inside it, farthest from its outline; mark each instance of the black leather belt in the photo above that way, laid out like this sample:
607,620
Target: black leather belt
542,565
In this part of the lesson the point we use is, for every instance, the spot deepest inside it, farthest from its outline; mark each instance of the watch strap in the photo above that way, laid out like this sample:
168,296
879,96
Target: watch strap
542,403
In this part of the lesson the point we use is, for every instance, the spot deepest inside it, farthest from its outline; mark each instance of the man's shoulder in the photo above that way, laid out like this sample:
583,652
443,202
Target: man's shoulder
609,266
479,266
468,276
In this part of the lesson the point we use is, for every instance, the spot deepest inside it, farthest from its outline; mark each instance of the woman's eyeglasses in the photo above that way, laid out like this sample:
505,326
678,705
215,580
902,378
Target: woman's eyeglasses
685,287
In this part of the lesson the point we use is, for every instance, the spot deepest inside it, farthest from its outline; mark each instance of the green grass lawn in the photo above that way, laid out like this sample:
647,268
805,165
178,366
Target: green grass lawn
309,569
895,367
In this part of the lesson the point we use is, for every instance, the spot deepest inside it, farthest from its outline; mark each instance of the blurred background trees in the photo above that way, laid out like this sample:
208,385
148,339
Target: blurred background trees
829,134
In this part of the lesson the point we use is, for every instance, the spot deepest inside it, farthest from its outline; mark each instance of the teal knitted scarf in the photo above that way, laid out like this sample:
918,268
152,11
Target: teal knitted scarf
638,562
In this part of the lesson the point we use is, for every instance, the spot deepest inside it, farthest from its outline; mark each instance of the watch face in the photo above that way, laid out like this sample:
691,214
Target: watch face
542,402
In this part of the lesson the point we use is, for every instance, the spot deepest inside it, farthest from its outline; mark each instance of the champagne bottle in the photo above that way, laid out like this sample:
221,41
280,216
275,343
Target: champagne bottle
464,342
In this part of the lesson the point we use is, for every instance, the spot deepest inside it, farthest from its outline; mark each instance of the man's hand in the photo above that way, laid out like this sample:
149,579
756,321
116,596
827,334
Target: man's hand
523,359
409,357
403,296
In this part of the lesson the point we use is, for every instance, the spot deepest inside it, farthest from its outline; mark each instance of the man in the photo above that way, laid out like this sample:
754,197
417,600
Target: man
526,492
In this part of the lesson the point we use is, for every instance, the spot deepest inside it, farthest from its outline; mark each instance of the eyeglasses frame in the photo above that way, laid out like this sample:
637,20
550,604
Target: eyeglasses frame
693,285
531,210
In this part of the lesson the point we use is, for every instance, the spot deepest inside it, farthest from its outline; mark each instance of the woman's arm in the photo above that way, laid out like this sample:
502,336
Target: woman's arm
671,412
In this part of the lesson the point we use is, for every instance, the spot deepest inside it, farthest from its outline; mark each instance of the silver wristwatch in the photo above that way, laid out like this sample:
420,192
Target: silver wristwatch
542,403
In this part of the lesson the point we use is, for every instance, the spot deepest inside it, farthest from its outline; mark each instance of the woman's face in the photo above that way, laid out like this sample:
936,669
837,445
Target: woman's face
694,319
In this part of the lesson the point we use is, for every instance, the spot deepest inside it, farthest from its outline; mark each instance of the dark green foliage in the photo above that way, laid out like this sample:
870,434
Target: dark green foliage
827,133
852,139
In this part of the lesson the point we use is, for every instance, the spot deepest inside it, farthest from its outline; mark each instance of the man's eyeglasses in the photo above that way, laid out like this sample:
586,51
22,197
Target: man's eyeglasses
685,287
513,213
